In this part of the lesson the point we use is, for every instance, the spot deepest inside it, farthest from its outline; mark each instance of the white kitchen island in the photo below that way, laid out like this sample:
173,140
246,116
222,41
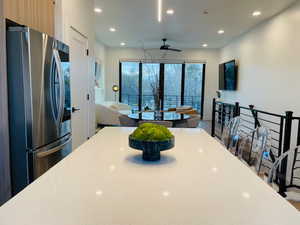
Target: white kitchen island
104,182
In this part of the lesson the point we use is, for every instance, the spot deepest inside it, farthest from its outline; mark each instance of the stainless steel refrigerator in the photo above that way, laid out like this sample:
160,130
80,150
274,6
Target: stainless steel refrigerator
39,104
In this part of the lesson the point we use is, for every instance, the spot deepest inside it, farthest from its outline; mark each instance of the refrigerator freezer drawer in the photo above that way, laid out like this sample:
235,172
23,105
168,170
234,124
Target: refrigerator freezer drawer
44,159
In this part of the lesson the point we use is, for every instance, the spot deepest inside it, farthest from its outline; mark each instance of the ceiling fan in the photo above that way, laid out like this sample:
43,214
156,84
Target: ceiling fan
166,47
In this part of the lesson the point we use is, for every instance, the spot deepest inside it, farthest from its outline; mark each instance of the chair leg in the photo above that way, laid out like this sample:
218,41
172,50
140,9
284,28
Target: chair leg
283,194
237,148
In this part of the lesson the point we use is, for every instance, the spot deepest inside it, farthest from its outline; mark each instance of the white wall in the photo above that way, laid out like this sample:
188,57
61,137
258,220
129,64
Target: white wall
269,64
79,14
211,57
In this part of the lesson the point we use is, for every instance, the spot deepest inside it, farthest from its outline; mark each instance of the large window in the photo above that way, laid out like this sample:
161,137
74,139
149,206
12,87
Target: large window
192,92
150,86
130,84
172,85
155,86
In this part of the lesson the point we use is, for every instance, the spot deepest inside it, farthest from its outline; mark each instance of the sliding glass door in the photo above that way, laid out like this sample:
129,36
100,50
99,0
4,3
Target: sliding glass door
153,86
194,85
172,86
129,86
150,86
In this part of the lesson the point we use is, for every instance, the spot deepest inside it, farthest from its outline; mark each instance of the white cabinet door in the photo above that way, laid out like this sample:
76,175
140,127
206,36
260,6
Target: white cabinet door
79,87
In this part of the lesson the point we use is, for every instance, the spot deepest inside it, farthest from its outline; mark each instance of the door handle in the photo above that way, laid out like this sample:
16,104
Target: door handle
61,84
75,109
56,149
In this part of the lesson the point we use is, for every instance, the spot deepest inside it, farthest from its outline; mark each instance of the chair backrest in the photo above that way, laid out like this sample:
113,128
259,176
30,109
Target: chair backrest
277,177
274,173
291,177
181,124
295,169
168,124
261,150
193,122
244,147
230,131
255,149
125,121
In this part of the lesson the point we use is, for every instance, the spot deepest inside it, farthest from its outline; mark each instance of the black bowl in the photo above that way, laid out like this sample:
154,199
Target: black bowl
151,149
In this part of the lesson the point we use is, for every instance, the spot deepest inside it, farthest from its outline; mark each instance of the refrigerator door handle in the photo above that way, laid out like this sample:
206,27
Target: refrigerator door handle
61,85
53,150
53,98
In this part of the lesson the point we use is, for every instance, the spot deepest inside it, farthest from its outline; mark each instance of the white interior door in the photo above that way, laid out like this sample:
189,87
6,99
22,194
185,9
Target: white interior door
79,70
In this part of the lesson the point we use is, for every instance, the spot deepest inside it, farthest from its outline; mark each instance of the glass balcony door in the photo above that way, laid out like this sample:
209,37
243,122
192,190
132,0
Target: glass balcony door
172,86
151,86
130,84
194,86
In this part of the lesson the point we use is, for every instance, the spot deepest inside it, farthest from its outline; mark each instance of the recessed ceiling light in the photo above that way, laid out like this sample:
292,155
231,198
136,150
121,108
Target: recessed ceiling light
170,11
98,10
256,13
122,43
112,29
221,32
204,45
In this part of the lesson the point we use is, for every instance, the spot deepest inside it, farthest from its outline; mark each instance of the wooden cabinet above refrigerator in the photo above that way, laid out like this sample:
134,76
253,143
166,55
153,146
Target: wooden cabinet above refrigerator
37,14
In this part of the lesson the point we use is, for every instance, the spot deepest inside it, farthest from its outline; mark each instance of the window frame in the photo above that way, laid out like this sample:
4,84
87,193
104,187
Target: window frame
161,83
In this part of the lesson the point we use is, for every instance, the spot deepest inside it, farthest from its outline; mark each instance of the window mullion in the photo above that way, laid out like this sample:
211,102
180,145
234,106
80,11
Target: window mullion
120,81
182,83
140,85
162,84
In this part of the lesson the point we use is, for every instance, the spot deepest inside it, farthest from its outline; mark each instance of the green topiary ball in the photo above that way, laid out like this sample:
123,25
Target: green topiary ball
151,132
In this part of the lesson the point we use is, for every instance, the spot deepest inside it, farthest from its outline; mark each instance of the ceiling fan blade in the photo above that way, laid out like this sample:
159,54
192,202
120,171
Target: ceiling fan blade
174,50
166,47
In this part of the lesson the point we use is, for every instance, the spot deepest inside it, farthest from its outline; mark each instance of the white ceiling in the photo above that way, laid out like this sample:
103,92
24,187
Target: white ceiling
136,21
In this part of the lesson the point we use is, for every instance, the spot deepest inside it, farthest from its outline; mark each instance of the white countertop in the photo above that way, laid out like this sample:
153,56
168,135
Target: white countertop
104,182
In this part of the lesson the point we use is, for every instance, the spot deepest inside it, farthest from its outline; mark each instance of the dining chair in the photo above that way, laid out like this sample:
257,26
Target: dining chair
181,124
276,177
229,135
194,121
256,151
244,145
168,124
125,121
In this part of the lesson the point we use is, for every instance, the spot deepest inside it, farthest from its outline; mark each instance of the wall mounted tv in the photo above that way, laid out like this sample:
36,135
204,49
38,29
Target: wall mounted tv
228,76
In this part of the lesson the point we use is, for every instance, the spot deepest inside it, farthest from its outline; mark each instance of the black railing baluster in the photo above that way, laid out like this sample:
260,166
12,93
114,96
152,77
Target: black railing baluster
281,136
255,115
298,134
286,147
213,118
236,109
222,118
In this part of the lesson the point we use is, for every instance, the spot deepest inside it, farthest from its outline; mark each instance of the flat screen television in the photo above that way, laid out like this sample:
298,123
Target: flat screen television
228,76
